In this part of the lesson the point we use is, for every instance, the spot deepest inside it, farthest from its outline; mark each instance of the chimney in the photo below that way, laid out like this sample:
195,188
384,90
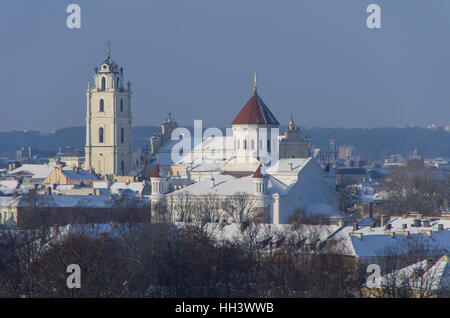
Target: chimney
355,226
440,227
384,220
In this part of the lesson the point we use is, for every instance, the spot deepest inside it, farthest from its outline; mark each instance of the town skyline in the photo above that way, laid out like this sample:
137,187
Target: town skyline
373,80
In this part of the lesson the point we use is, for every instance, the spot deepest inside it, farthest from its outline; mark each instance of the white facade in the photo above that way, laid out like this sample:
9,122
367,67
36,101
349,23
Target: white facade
108,122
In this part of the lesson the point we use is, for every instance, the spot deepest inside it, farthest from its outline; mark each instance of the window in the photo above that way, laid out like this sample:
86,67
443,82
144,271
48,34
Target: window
101,106
268,145
100,135
122,135
121,105
245,144
118,83
123,167
103,87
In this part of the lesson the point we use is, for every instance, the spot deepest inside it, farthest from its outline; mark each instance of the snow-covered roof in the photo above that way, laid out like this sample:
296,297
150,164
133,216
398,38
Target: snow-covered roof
79,174
230,185
37,171
432,276
8,187
373,242
284,165
133,186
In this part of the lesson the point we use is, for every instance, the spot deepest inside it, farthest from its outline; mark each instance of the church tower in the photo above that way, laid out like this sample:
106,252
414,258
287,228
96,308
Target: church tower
108,121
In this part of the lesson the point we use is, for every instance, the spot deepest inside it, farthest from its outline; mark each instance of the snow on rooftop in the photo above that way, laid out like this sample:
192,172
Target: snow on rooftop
432,276
284,165
230,185
37,171
377,242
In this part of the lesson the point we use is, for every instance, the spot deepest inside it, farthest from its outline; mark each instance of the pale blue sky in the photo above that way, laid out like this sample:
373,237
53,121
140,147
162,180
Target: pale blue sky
315,59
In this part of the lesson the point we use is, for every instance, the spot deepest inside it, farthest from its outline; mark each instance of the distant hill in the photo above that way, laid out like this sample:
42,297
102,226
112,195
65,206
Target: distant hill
371,144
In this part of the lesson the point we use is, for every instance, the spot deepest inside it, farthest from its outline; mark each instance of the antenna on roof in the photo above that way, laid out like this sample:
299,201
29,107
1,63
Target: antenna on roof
254,82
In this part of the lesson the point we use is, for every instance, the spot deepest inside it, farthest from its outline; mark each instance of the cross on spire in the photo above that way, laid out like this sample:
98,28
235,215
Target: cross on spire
108,45
254,82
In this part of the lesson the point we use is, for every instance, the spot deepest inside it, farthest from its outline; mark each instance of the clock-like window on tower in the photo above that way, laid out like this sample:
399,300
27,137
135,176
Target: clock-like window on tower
101,135
121,105
101,107
103,87
122,135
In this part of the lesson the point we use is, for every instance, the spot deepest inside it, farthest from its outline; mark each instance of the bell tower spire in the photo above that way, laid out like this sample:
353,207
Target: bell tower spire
108,121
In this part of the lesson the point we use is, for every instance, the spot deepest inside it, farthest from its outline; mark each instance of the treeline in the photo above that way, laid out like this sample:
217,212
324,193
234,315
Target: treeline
370,144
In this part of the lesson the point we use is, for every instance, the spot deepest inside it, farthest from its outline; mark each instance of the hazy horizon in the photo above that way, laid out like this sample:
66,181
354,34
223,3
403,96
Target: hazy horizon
315,60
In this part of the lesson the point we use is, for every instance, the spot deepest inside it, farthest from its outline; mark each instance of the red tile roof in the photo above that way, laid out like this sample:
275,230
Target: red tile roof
258,173
255,112
155,172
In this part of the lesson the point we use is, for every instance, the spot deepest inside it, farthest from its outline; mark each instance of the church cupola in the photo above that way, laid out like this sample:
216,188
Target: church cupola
260,182
157,181
252,130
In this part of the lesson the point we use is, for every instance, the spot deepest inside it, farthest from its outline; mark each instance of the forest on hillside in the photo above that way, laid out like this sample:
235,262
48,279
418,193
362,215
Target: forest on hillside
370,144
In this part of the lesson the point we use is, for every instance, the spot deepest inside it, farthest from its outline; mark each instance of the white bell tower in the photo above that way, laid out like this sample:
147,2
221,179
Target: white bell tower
108,121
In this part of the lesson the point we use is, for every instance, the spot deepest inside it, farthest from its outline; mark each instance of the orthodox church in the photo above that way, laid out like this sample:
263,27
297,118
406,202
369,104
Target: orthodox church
249,163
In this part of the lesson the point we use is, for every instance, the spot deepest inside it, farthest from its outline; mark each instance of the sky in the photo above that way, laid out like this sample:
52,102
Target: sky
315,60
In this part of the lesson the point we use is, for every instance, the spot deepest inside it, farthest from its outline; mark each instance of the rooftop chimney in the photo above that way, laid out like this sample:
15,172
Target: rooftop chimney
355,226
384,220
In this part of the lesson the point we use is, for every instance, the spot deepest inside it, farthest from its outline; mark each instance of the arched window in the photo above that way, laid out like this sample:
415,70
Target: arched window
121,105
100,135
101,107
122,135
103,87
245,144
